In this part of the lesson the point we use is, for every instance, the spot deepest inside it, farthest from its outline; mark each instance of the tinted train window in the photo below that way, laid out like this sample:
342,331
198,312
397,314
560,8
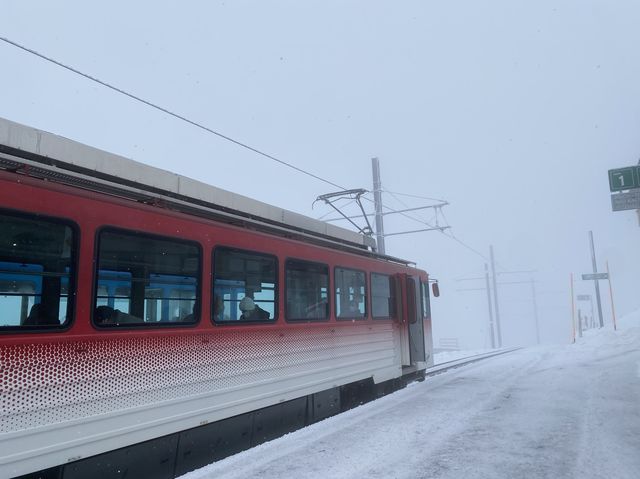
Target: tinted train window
245,286
383,296
426,305
351,299
307,290
146,280
36,271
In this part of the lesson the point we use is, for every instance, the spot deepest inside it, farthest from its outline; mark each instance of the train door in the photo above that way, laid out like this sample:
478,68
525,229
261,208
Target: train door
414,318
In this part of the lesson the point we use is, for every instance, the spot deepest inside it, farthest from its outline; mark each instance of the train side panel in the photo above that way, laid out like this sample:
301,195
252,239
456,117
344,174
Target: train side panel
70,394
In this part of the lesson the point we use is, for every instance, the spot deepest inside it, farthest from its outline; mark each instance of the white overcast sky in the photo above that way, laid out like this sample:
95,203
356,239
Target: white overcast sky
512,111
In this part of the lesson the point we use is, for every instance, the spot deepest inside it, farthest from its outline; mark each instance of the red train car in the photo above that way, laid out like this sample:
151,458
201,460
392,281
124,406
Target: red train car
145,314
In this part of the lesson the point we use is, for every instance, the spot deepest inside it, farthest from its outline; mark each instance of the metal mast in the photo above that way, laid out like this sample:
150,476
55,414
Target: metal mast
595,270
495,295
377,199
486,278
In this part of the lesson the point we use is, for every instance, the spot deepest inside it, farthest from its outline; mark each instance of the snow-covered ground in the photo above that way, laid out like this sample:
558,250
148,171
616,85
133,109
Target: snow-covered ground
446,356
547,412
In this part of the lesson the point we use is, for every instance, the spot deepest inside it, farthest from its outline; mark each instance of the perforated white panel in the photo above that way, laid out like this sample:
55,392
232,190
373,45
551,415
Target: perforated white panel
46,384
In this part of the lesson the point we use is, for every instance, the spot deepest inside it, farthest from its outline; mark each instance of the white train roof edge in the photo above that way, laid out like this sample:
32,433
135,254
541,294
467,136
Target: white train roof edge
72,156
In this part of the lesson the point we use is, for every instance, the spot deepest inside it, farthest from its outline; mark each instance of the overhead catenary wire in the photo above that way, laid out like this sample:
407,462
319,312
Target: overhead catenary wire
470,248
406,206
217,133
447,234
168,112
427,223
414,196
176,115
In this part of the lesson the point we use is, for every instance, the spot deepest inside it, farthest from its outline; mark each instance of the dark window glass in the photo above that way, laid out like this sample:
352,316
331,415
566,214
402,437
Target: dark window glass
351,299
307,290
426,305
146,280
383,296
36,271
245,286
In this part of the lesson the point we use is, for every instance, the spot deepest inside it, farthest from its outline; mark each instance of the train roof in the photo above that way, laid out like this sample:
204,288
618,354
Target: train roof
42,154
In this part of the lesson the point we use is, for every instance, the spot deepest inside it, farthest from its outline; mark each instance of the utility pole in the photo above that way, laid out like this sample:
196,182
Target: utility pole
486,278
377,200
495,295
493,330
595,270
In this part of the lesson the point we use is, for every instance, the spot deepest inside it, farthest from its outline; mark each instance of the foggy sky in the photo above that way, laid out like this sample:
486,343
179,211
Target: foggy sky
511,111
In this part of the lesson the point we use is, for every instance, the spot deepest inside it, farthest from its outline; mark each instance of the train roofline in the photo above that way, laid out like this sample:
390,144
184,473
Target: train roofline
27,150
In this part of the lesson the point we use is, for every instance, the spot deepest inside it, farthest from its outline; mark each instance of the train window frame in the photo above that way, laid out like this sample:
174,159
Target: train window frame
276,289
287,317
72,278
392,291
365,314
142,325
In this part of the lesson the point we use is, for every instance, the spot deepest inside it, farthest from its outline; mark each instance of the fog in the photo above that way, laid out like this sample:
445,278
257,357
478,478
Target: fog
510,111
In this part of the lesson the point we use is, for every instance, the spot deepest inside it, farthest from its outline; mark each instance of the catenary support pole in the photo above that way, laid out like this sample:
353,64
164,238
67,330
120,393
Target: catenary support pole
595,270
491,332
377,200
495,295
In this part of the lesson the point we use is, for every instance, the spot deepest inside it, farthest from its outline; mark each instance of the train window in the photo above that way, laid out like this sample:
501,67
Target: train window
307,290
426,305
245,286
350,289
36,270
145,280
383,296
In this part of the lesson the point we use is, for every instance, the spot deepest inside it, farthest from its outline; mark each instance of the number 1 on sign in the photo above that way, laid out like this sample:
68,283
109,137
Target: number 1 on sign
624,178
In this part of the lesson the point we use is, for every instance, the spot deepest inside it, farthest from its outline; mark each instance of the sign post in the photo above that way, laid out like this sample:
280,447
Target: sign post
595,277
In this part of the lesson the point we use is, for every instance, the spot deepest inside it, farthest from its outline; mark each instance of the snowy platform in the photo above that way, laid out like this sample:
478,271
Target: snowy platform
547,412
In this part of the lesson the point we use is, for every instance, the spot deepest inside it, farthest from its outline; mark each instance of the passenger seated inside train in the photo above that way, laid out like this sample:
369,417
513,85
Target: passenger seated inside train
193,315
251,311
218,308
107,315
39,317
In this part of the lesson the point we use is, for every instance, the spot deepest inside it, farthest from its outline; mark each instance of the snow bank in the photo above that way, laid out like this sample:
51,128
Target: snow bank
628,331
628,321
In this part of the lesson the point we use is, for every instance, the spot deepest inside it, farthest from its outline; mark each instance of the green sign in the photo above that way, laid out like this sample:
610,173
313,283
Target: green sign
624,178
